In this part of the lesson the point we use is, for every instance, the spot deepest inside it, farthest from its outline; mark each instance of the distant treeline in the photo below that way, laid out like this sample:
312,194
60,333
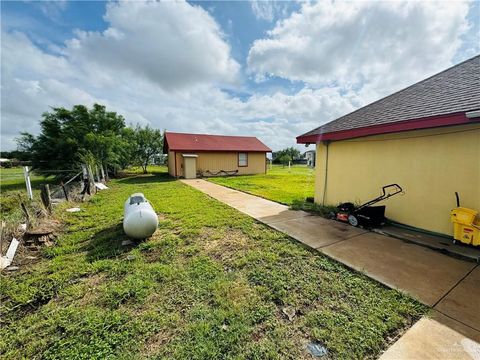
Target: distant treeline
286,155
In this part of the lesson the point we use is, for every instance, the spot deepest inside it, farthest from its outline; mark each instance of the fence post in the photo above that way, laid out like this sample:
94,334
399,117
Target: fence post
45,195
97,173
103,173
1,236
26,174
93,189
107,178
64,190
85,181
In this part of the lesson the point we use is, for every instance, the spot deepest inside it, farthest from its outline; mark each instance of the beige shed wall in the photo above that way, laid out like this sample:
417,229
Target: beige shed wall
429,164
171,163
228,161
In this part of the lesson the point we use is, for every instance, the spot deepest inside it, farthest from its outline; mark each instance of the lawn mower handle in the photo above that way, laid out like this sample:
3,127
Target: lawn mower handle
384,196
398,189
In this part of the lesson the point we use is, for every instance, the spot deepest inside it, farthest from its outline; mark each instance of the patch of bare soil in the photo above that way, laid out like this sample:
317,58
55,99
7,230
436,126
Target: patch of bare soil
155,342
225,246
92,283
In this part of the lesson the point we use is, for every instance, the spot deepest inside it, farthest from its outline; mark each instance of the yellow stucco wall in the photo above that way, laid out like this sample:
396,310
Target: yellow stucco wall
228,161
430,165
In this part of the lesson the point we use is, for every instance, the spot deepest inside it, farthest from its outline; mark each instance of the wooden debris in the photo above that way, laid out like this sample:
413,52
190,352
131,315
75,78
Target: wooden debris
25,212
8,258
45,196
39,237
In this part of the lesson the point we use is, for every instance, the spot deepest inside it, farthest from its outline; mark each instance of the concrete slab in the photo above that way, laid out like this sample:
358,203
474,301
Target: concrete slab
463,302
459,327
249,204
440,243
284,216
317,232
429,339
423,273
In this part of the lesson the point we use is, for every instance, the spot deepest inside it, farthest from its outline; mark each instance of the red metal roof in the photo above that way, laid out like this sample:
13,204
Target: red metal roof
201,142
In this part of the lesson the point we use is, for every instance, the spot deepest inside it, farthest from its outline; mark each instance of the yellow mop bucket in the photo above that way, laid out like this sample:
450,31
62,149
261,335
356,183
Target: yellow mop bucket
466,225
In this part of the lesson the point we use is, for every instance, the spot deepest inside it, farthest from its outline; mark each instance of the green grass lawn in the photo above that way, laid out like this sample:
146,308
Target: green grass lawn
279,184
12,179
210,284
13,189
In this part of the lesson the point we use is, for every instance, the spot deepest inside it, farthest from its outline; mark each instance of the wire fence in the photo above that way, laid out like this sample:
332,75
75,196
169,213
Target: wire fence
69,190
75,188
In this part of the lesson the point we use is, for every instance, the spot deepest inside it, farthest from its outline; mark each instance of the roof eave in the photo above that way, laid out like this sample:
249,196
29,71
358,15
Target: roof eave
221,150
406,125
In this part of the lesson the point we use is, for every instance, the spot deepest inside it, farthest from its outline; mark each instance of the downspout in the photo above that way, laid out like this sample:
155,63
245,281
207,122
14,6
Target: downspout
326,143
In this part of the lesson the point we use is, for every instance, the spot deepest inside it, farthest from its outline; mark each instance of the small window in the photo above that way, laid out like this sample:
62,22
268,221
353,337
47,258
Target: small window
242,159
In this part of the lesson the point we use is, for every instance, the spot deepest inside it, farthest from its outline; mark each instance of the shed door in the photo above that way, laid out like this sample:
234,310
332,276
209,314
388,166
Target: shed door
190,167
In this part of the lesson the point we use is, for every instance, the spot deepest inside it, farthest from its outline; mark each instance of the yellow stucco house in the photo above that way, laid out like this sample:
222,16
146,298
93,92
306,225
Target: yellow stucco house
192,155
425,137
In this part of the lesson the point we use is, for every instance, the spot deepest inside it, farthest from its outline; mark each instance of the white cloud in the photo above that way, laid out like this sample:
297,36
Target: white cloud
173,44
33,83
164,64
265,10
381,46
52,9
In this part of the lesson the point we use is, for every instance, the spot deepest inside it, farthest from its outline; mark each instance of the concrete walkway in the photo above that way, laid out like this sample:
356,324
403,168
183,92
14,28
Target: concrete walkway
450,286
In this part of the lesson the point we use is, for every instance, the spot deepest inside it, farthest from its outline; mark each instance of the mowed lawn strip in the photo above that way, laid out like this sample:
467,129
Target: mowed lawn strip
211,284
279,184
13,179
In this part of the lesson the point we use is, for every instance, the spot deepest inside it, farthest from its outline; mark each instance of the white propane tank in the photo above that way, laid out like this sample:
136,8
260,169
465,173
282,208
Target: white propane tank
139,219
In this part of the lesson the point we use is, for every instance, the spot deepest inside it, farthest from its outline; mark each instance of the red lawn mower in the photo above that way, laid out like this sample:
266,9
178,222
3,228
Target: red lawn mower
365,214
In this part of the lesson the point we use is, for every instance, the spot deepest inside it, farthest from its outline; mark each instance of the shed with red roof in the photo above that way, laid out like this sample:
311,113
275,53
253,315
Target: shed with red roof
191,155
425,137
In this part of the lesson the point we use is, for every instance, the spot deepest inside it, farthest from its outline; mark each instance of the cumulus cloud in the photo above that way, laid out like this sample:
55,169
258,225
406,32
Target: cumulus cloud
173,44
33,83
381,46
164,64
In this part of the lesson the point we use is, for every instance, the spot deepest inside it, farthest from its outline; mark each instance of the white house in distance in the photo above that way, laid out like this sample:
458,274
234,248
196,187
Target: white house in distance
310,156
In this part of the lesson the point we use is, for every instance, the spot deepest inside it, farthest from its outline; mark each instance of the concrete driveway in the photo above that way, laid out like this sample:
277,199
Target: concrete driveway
450,286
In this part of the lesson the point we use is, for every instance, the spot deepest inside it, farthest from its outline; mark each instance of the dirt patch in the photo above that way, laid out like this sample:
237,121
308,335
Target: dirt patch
226,245
154,343
92,283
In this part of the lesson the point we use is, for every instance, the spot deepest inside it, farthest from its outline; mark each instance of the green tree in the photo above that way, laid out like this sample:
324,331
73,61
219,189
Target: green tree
67,136
147,142
25,142
284,159
289,152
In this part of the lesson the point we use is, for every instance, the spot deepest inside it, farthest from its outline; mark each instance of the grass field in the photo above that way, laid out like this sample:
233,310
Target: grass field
279,184
12,179
13,190
210,284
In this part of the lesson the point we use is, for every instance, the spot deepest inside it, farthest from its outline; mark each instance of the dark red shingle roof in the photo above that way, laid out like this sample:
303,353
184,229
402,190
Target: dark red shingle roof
452,91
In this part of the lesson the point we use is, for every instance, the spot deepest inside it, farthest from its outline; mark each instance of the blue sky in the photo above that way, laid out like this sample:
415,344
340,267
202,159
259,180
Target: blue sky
269,69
